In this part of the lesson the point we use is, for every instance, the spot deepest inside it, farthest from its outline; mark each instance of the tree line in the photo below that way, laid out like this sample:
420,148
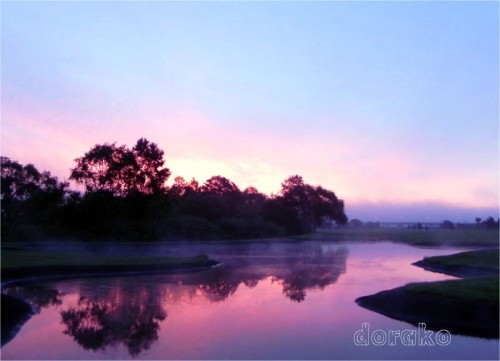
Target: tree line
126,197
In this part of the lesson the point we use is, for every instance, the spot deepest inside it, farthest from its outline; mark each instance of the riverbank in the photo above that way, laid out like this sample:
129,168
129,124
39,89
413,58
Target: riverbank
23,265
466,306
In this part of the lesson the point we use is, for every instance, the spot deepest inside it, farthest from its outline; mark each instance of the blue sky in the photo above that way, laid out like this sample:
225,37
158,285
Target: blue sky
390,103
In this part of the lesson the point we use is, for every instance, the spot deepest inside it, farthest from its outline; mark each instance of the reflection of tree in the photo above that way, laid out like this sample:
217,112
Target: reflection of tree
130,311
220,290
296,269
316,270
132,319
36,295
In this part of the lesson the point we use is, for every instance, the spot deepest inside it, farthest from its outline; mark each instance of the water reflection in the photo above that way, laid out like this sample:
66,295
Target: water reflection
130,312
97,324
38,296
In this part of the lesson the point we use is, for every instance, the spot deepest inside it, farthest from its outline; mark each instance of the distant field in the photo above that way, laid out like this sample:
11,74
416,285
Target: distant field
432,237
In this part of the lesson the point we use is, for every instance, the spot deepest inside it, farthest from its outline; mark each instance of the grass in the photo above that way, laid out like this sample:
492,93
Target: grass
469,289
474,259
480,289
431,237
18,258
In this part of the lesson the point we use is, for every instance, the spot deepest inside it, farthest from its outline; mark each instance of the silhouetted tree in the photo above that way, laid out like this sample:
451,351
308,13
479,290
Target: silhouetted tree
119,170
252,196
297,196
30,199
126,197
446,224
151,175
304,207
355,223
489,223
220,186
181,187
325,204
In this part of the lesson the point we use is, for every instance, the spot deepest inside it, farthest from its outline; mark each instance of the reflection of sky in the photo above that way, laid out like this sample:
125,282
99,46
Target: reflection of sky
385,101
253,323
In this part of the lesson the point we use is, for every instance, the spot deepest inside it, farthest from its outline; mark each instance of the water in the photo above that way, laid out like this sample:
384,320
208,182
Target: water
267,301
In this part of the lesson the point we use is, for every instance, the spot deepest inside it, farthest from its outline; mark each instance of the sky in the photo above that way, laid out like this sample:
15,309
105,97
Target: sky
392,105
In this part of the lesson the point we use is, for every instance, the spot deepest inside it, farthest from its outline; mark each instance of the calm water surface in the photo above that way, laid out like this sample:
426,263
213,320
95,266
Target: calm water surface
267,301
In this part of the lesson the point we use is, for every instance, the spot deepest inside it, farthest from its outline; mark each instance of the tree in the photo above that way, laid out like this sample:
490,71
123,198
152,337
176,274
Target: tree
220,186
355,223
20,182
120,170
311,205
30,198
446,224
180,188
326,205
252,196
490,223
104,168
150,176
296,195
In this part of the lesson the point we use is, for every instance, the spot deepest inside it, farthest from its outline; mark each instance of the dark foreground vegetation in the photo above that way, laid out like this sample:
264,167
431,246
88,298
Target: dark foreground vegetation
467,306
126,198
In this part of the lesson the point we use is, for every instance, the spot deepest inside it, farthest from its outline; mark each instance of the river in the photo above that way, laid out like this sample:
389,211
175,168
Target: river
266,301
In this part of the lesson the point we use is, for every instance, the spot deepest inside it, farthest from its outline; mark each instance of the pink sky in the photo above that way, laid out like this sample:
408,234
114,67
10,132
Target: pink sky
381,103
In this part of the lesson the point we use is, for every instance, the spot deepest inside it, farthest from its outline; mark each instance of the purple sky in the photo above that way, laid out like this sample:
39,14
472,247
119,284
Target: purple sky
392,105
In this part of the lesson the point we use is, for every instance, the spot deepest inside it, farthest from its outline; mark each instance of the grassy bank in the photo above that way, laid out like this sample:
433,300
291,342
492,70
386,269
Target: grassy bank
17,258
20,264
466,306
484,258
464,264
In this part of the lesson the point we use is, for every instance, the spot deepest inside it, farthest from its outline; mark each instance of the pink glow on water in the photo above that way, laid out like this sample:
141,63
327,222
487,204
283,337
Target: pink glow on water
256,322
